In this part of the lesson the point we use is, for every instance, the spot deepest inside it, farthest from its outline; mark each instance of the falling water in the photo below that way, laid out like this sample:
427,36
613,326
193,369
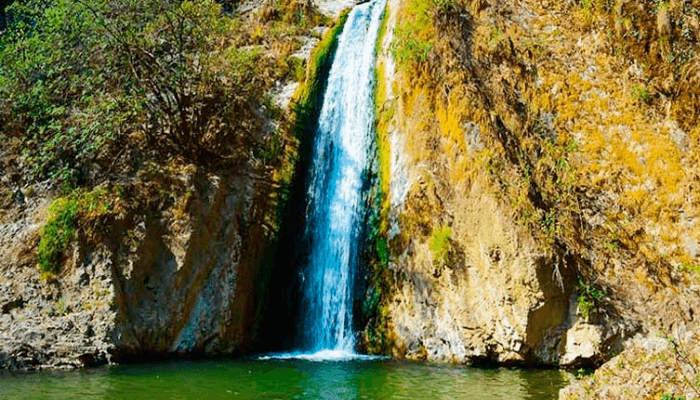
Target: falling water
341,157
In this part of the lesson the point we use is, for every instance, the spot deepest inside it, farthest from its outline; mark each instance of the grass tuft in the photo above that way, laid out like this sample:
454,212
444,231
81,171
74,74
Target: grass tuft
60,229
440,245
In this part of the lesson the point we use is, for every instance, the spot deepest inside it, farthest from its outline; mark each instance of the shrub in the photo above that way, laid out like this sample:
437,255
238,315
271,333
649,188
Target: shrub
641,93
587,298
60,229
440,244
412,37
83,81
306,96
667,396
57,233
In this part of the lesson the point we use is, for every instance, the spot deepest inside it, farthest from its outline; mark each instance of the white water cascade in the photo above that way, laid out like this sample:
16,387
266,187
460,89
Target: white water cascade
341,158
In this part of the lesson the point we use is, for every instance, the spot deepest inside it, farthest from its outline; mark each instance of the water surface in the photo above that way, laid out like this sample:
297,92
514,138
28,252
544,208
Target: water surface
285,379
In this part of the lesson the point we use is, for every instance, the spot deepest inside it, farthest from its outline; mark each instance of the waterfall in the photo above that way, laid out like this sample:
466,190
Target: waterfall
341,158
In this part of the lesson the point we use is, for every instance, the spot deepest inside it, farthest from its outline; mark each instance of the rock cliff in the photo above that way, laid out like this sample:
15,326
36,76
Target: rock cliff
494,295
534,151
156,251
157,283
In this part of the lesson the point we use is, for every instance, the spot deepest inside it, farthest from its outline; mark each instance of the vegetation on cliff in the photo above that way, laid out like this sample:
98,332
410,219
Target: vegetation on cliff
618,123
377,337
103,93
145,138
584,116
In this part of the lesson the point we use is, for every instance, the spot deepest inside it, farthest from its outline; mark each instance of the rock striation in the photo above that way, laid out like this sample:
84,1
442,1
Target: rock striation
159,287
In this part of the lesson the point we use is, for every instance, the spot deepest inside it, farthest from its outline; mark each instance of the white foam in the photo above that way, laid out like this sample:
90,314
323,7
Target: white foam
321,355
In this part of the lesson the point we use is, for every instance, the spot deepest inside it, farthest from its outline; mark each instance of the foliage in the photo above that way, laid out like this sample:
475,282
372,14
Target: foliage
383,112
378,337
412,41
61,307
102,90
371,303
440,244
81,82
588,296
49,87
667,396
306,97
57,233
640,93
583,373
60,228
689,267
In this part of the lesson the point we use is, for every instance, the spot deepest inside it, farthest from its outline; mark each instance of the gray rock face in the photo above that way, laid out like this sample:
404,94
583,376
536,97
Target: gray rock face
508,311
165,285
48,324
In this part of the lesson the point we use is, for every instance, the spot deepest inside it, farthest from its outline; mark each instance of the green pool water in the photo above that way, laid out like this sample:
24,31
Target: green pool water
284,379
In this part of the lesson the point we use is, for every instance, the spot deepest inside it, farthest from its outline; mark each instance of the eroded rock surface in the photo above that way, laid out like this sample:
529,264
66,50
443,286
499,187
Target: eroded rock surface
473,279
164,285
642,371
47,324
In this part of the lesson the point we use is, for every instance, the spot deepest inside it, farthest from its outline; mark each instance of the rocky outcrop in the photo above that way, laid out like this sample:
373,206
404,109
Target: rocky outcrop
188,287
45,324
155,285
177,261
542,190
491,290
497,299
663,365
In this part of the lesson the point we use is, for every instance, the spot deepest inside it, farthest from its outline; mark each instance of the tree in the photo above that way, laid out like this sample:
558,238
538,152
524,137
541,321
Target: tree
81,81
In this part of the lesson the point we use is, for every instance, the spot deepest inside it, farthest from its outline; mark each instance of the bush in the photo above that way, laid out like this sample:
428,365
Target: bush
51,95
588,296
60,229
412,37
440,245
57,234
306,96
83,81
641,94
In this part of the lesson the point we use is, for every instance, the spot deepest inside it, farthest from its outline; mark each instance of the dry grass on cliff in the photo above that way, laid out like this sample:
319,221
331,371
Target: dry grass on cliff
589,133
584,116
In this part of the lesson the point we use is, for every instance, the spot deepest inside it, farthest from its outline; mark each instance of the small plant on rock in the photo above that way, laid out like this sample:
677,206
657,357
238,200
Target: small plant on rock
667,396
60,229
57,233
61,307
440,244
587,298
641,94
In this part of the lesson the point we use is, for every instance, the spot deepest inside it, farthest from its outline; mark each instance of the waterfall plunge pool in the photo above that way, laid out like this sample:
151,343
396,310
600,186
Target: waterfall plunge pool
292,378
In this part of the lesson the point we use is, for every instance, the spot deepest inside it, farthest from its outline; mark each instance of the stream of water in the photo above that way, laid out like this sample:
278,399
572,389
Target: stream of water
341,157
